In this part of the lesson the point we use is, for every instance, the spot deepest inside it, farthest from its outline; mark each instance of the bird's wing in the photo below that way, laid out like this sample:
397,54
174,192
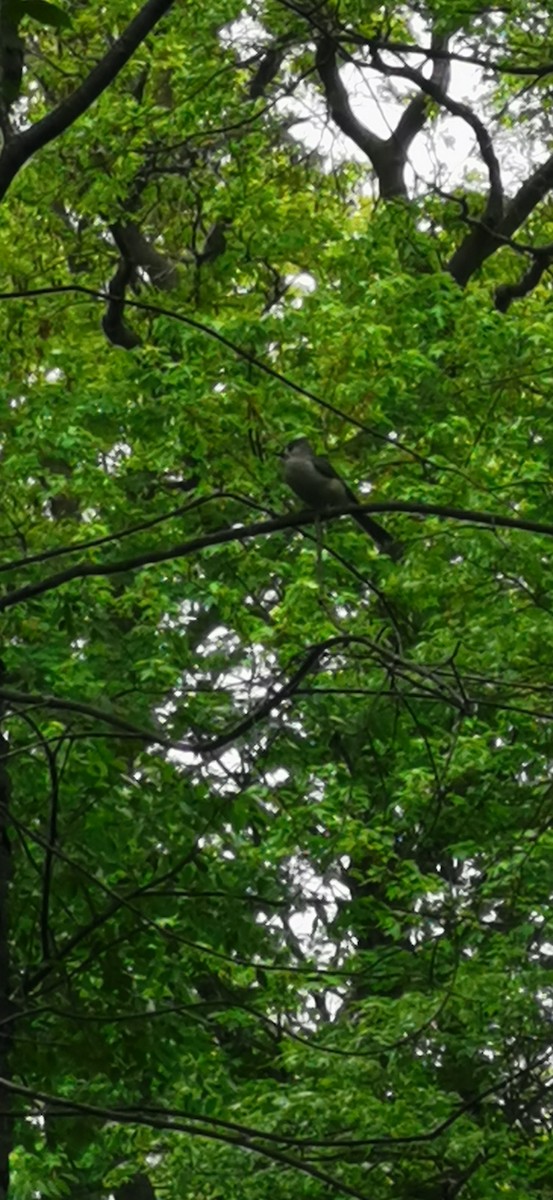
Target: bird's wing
325,468
383,539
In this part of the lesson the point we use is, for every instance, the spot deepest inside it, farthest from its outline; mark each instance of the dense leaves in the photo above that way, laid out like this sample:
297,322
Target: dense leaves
278,915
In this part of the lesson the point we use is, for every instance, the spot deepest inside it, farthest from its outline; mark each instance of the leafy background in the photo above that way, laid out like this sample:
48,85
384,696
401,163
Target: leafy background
278,914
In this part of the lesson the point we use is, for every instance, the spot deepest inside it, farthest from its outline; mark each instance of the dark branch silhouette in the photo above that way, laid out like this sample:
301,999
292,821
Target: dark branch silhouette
20,148
220,537
113,323
481,243
387,155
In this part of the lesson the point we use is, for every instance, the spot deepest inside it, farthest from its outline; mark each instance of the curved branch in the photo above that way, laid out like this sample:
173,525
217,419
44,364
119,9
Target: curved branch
220,537
113,323
507,292
376,148
538,184
416,113
135,248
494,206
55,703
387,155
22,147
481,243
251,1140
538,70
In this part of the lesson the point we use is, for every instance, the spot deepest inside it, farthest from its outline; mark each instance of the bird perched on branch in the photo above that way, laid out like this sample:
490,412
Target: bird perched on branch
316,482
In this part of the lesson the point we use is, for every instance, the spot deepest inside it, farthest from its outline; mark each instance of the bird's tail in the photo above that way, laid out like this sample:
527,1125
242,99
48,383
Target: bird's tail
384,540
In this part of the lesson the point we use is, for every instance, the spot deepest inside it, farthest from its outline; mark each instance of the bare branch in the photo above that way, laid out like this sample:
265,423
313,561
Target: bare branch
482,242
537,70
387,155
377,149
113,323
416,113
534,189
494,206
507,292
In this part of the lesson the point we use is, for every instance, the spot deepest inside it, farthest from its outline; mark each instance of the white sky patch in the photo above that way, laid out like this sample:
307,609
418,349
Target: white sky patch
447,145
114,458
444,153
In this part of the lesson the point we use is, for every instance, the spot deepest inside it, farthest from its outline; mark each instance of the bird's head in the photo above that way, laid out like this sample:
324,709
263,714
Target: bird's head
296,448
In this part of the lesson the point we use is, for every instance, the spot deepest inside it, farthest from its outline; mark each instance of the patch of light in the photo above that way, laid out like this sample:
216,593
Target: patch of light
119,453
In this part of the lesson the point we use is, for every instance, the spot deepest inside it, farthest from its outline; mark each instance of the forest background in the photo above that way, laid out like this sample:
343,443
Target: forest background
276,833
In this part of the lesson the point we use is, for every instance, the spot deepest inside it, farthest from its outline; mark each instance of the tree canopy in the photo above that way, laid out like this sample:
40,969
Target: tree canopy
276,817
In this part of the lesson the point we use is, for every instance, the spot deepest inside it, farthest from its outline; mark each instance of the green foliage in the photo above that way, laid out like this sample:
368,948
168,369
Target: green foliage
302,943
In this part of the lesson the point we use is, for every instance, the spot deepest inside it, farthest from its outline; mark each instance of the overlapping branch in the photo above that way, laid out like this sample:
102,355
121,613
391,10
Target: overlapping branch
19,149
387,155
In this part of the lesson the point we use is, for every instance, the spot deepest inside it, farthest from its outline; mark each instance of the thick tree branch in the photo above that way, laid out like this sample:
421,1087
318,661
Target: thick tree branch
482,242
377,149
494,206
113,322
21,148
507,292
534,189
413,119
387,155
136,249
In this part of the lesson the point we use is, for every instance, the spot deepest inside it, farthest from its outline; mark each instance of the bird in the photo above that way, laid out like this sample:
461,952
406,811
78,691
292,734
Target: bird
316,482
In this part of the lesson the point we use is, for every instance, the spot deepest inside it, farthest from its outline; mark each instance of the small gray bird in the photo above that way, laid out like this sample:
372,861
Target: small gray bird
316,482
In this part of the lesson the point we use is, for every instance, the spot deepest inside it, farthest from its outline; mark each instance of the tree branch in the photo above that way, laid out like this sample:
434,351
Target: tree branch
507,292
253,1141
113,322
21,148
481,243
494,206
135,248
220,537
376,148
528,196
413,119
